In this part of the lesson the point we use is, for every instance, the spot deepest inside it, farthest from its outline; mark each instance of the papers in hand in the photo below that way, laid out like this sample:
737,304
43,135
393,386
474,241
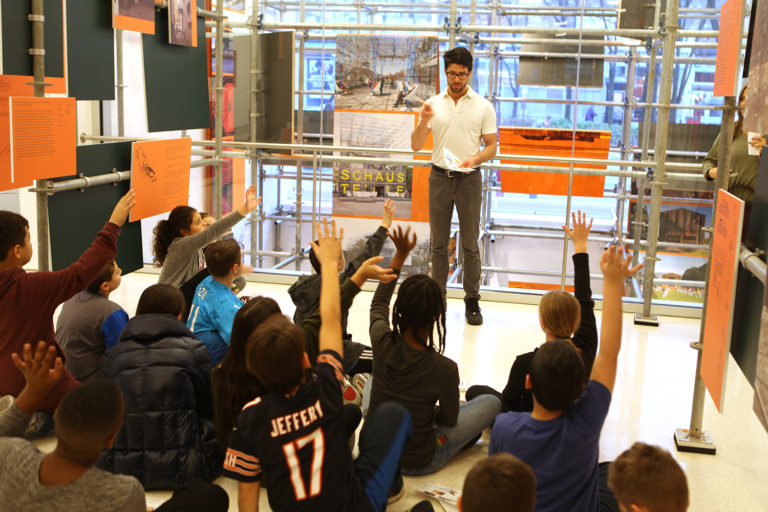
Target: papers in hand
453,163
751,150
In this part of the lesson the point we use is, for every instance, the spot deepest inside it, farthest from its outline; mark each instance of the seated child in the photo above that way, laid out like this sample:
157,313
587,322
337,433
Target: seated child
560,314
293,435
647,478
305,293
28,300
215,304
233,386
90,324
560,438
409,368
168,439
179,241
499,482
87,421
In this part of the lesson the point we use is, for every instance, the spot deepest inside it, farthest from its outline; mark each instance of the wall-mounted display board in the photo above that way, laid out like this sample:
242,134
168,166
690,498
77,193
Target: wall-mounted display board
134,15
175,78
43,137
559,71
552,143
720,294
16,63
750,290
160,175
90,50
276,84
76,216
756,110
638,14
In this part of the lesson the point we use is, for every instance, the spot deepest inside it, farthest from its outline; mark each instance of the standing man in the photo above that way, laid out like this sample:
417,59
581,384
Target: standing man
459,118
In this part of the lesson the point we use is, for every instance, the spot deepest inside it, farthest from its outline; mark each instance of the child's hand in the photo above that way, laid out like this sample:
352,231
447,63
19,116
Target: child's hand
42,371
370,270
401,239
615,267
251,201
328,246
123,208
389,210
580,232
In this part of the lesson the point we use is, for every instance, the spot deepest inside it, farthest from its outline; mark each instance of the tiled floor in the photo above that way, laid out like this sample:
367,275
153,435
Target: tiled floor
652,397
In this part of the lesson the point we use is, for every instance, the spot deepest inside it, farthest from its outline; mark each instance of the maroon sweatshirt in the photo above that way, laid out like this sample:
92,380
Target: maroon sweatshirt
27,304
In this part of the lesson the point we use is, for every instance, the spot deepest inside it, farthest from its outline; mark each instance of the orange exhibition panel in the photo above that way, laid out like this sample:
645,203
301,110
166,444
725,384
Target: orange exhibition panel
549,142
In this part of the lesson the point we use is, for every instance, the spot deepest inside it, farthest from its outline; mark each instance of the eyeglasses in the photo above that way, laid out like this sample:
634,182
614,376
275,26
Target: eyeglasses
461,76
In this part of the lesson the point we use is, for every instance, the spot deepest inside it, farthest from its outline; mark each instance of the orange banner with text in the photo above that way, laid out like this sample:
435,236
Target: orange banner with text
160,176
720,294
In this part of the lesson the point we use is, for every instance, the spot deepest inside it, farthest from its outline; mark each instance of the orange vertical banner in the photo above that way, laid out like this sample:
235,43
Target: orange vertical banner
720,294
728,48
43,138
160,175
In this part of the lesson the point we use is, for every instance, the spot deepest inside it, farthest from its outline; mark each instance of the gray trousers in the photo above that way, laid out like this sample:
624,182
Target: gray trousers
465,192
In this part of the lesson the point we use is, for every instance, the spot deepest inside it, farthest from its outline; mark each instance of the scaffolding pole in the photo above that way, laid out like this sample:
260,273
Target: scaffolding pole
218,182
254,118
660,153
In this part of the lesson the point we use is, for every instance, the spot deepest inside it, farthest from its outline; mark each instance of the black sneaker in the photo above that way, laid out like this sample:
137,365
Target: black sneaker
472,312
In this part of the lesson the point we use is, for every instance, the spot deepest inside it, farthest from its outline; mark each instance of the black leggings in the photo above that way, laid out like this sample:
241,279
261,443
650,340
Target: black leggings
202,496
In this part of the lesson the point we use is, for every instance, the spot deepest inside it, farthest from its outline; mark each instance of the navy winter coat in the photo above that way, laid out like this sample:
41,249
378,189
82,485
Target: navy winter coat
168,438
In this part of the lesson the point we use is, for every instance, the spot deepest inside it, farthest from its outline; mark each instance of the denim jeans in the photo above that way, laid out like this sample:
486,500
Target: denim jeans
474,416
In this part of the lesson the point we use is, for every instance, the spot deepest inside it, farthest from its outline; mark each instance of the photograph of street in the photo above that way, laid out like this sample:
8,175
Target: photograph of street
385,72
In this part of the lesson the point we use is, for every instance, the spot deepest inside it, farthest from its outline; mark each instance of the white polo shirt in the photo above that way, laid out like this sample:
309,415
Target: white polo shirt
459,126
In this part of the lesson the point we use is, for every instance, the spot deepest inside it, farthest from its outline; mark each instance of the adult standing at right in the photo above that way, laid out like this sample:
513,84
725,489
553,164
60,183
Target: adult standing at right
743,173
460,119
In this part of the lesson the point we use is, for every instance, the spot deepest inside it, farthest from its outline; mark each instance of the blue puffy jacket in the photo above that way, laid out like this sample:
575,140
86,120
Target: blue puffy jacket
168,438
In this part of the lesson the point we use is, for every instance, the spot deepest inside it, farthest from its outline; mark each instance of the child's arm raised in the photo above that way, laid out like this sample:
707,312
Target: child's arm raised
580,232
615,270
327,250
585,337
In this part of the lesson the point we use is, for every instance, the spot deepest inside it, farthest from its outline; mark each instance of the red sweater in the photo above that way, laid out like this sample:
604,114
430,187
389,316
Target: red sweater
27,304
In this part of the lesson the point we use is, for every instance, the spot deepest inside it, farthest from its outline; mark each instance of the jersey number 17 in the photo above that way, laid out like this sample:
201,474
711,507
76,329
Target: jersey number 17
291,450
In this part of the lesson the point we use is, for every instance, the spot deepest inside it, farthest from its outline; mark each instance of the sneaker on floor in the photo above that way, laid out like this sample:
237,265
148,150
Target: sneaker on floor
397,490
6,401
472,312
351,395
41,423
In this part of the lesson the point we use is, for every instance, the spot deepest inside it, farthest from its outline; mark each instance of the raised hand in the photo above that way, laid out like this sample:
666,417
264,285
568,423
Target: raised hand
251,201
123,208
328,246
426,113
42,370
389,210
615,266
403,243
370,270
580,232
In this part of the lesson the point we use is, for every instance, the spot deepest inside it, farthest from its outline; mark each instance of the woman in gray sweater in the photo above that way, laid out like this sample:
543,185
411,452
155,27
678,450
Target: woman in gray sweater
179,241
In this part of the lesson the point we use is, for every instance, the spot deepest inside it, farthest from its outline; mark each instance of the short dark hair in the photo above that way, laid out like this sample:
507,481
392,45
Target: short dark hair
89,413
13,232
419,305
104,276
650,477
221,256
557,375
161,299
460,56
274,354
499,482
